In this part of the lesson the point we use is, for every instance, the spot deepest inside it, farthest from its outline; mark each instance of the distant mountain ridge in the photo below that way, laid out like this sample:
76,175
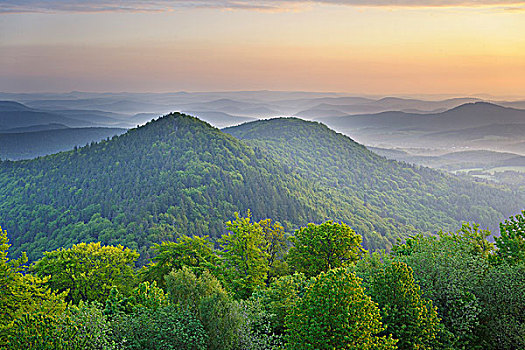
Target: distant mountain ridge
479,125
32,128
41,142
457,160
467,115
386,104
19,119
10,106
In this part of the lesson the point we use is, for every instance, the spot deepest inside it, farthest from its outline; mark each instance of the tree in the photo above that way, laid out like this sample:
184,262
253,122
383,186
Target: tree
449,268
335,313
407,316
204,297
195,252
88,270
280,297
36,331
167,328
511,242
79,328
276,247
21,293
144,296
257,330
502,296
319,248
245,256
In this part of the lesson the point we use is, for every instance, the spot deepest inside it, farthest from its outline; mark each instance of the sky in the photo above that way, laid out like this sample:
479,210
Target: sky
376,47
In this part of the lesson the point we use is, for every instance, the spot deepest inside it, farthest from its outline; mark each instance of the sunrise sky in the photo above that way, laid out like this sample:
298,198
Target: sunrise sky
354,46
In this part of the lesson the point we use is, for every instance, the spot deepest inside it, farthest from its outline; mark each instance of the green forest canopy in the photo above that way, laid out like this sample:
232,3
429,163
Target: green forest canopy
455,290
180,176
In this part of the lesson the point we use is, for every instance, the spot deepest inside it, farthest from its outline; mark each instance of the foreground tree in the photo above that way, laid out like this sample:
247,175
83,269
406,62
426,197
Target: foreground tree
511,242
205,299
407,316
502,296
280,297
335,313
22,294
245,256
276,248
196,253
88,270
78,328
165,328
319,248
449,268
144,296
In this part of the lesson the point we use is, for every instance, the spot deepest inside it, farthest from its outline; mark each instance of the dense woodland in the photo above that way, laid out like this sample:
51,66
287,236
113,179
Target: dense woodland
264,289
424,198
126,244
180,176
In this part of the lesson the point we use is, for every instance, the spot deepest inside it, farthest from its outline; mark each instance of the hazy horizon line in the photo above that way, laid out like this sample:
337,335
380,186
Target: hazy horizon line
346,93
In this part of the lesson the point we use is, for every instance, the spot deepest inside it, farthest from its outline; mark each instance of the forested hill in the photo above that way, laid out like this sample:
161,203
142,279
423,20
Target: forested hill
428,199
178,175
175,175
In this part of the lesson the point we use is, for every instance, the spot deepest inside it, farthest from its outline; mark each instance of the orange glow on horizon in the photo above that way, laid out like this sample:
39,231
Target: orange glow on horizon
321,48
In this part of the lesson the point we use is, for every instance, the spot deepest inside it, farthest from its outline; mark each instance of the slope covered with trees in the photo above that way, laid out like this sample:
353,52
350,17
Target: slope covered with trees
427,199
176,175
